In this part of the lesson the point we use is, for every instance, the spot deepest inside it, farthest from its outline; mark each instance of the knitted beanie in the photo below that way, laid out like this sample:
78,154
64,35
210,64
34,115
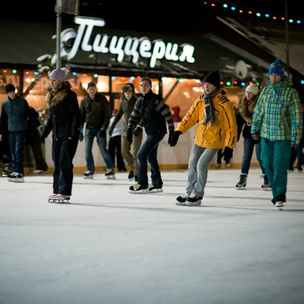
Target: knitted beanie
91,84
213,78
58,74
128,87
277,67
253,88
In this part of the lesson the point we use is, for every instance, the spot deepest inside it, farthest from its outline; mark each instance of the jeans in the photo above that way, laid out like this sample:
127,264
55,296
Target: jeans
16,143
249,144
199,161
90,134
148,153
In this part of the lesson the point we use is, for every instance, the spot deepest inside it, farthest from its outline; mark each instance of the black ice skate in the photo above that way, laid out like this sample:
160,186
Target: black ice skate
155,189
88,175
138,189
15,177
241,185
110,174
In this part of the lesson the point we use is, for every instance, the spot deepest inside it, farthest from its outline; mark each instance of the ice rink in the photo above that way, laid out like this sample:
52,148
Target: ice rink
111,247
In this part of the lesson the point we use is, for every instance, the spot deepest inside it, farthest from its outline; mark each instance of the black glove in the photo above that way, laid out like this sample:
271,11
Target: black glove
173,138
137,131
81,136
129,135
228,152
102,133
111,131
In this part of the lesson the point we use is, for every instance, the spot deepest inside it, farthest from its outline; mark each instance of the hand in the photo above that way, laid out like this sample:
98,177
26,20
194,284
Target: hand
102,133
228,153
111,131
137,131
173,138
129,135
80,136
256,136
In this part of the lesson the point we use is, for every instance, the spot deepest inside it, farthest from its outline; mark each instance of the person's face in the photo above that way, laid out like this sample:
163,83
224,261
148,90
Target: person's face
209,87
249,95
274,78
145,87
11,94
54,83
92,91
128,94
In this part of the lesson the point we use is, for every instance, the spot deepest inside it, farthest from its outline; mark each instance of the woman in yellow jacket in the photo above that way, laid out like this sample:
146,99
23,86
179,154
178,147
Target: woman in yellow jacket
216,129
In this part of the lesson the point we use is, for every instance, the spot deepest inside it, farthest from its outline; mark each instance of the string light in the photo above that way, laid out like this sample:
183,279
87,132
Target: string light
242,10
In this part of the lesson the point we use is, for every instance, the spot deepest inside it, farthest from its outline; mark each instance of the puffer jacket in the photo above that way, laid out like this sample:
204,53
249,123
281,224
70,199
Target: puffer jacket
64,117
222,133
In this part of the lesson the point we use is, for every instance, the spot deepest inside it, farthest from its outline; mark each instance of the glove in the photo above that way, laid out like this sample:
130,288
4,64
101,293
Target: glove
228,152
173,137
137,131
129,135
111,131
102,133
256,136
81,136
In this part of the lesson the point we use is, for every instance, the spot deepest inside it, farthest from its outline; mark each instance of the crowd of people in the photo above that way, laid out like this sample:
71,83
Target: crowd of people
269,119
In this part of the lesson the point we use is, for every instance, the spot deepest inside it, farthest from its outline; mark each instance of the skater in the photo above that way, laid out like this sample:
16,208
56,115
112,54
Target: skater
64,121
95,114
115,143
128,149
246,108
152,112
277,122
5,152
216,128
33,139
14,116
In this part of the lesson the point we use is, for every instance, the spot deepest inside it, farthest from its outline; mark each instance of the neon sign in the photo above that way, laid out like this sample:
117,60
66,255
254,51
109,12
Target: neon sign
122,46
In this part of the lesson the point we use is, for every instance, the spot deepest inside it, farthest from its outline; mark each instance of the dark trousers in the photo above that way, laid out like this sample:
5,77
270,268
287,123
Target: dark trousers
148,154
16,142
115,152
63,152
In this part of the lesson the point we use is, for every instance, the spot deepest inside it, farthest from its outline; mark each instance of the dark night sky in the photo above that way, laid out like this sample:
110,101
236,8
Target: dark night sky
169,16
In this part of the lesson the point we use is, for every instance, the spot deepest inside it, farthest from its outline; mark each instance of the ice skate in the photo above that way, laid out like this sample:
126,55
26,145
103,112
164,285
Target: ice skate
266,186
155,189
61,198
241,185
181,200
138,189
279,205
110,174
88,175
52,198
193,201
131,175
6,170
16,177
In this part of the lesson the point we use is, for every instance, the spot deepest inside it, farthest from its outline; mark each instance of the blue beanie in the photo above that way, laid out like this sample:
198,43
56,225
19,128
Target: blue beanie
58,74
277,67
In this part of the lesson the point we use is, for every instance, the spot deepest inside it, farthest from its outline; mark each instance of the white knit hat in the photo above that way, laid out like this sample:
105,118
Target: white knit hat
58,74
253,88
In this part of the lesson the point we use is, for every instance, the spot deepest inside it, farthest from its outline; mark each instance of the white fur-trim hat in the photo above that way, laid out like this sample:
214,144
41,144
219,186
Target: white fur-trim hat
253,88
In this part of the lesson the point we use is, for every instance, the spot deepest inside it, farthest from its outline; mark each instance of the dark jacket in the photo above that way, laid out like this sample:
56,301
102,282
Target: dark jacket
64,117
152,113
33,134
15,113
126,108
95,112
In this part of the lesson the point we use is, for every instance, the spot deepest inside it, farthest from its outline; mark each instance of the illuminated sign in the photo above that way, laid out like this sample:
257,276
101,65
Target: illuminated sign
122,46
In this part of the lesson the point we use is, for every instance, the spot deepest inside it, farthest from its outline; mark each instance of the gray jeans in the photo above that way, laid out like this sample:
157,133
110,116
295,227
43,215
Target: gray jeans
199,161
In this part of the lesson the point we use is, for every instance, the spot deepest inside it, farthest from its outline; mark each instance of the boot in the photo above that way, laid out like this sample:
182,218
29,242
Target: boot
242,183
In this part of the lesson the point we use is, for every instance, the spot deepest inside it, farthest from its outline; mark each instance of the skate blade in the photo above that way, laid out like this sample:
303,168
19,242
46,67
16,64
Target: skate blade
156,191
88,177
240,188
139,192
110,178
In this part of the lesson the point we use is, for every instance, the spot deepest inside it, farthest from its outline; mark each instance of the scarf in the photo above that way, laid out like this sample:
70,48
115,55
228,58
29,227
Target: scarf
209,109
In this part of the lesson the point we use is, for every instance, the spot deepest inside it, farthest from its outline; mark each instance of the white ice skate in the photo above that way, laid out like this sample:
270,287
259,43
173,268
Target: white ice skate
59,198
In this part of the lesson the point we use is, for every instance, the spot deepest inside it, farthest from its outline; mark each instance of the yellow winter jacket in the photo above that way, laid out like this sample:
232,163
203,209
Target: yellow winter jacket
222,133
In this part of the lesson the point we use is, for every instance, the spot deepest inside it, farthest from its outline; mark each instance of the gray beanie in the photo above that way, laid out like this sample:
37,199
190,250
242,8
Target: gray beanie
58,74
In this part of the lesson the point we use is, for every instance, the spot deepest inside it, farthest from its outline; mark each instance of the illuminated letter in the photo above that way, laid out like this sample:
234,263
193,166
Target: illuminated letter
117,49
145,47
158,52
171,52
187,53
100,47
131,48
